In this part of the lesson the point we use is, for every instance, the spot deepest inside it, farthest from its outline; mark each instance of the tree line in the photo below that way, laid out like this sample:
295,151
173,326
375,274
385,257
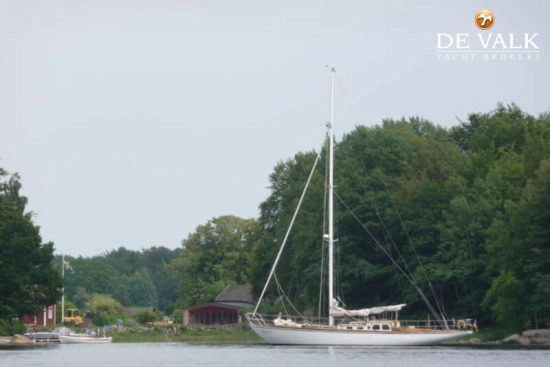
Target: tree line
464,211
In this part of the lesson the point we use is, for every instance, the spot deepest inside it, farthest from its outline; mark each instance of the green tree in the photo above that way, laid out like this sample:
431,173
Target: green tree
80,297
156,259
141,289
454,209
505,148
28,282
520,249
298,270
397,180
104,303
123,260
459,268
217,251
104,309
122,291
505,299
94,275
114,272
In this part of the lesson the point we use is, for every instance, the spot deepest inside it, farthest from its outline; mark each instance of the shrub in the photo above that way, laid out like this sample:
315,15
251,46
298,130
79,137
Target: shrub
103,303
19,327
7,329
146,316
177,316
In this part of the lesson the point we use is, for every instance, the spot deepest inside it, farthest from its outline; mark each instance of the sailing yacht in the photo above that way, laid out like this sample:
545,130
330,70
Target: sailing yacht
375,326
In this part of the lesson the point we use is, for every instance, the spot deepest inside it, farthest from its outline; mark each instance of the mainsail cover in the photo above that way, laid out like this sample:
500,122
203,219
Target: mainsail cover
339,311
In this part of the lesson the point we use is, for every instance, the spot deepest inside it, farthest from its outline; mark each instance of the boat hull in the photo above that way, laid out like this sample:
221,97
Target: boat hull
84,339
300,336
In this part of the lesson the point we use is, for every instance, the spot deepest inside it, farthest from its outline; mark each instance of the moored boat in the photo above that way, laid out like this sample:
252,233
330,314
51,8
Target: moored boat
375,326
48,336
91,337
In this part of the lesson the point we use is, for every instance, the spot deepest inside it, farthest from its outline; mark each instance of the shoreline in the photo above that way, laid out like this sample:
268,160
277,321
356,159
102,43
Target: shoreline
489,345
529,340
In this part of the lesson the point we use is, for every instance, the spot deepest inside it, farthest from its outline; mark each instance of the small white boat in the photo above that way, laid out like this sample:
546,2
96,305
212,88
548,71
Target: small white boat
91,337
47,336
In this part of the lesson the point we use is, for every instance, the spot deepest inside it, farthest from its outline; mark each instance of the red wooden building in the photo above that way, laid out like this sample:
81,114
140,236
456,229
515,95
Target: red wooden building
45,318
211,314
223,310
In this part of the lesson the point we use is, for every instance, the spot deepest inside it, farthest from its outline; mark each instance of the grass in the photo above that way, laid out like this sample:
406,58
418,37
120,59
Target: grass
138,337
189,336
219,336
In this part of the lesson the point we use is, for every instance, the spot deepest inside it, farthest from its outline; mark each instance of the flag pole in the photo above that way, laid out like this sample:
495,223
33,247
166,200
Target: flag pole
63,291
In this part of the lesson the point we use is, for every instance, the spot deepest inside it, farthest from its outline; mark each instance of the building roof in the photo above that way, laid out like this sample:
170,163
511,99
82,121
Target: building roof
213,304
236,293
233,296
135,310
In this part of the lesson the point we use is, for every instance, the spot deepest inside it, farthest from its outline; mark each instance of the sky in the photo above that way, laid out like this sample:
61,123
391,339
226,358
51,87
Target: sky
133,122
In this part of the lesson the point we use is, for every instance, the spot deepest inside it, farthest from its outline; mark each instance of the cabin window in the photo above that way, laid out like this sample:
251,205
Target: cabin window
349,328
360,328
385,327
376,327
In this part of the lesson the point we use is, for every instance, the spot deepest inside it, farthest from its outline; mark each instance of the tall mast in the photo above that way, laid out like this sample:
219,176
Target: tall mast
63,290
330,203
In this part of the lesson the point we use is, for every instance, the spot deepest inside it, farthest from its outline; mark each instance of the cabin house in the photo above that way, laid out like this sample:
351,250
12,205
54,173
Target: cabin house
223,310
45,318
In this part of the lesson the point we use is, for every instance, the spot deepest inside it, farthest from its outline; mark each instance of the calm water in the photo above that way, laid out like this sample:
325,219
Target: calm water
181,354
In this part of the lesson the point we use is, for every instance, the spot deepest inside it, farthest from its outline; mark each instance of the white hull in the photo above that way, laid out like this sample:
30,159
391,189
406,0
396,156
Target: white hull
84,339
298,336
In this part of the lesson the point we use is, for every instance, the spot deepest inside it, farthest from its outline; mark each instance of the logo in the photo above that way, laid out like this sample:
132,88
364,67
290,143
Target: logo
484,19
488,45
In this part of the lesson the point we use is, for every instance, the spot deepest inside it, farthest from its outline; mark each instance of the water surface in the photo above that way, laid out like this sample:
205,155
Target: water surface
183,354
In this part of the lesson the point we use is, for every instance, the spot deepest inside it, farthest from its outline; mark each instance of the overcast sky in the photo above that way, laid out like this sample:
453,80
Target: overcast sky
133,122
